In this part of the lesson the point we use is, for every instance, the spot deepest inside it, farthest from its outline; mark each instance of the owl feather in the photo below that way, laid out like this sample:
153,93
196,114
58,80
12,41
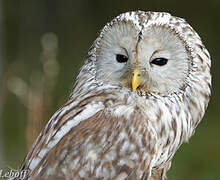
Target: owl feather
141,93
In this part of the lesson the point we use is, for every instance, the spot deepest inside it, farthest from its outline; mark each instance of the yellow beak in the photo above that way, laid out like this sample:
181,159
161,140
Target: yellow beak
135,80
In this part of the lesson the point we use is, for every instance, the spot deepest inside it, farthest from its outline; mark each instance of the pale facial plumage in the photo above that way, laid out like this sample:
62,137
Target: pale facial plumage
109,129
141,50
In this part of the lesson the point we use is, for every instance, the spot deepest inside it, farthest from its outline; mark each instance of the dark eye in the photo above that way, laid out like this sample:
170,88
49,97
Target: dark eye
121,58
160,61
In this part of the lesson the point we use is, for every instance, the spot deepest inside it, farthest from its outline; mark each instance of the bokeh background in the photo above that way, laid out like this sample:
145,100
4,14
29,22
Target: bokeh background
43,43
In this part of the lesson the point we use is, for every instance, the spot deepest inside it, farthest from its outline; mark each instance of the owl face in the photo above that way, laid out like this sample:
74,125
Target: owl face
154,60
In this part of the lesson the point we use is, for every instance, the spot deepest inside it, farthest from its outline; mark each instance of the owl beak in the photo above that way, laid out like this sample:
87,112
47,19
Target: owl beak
135,80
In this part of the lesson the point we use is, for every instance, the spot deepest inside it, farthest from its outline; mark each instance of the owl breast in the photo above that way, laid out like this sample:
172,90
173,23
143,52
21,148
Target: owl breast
109,149
167,120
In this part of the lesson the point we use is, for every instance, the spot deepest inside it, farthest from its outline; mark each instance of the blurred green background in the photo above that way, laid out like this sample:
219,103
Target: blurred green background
43,43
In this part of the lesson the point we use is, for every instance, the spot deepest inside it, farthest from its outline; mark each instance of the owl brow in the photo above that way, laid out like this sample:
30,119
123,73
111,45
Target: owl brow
126,52
155,52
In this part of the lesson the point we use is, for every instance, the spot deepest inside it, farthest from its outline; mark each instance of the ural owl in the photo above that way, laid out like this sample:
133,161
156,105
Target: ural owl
141,93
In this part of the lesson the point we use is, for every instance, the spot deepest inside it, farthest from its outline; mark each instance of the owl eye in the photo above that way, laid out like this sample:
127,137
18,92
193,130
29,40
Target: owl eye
160,61
121,58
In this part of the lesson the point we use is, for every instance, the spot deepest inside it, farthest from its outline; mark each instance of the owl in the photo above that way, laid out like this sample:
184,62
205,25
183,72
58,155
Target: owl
141,93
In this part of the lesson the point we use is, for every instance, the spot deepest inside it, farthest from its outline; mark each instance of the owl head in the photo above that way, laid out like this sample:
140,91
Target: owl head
146,52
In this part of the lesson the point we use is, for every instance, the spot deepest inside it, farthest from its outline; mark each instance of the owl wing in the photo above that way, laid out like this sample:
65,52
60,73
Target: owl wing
88,141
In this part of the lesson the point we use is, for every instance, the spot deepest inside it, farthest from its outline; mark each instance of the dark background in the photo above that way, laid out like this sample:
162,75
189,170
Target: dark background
43,43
